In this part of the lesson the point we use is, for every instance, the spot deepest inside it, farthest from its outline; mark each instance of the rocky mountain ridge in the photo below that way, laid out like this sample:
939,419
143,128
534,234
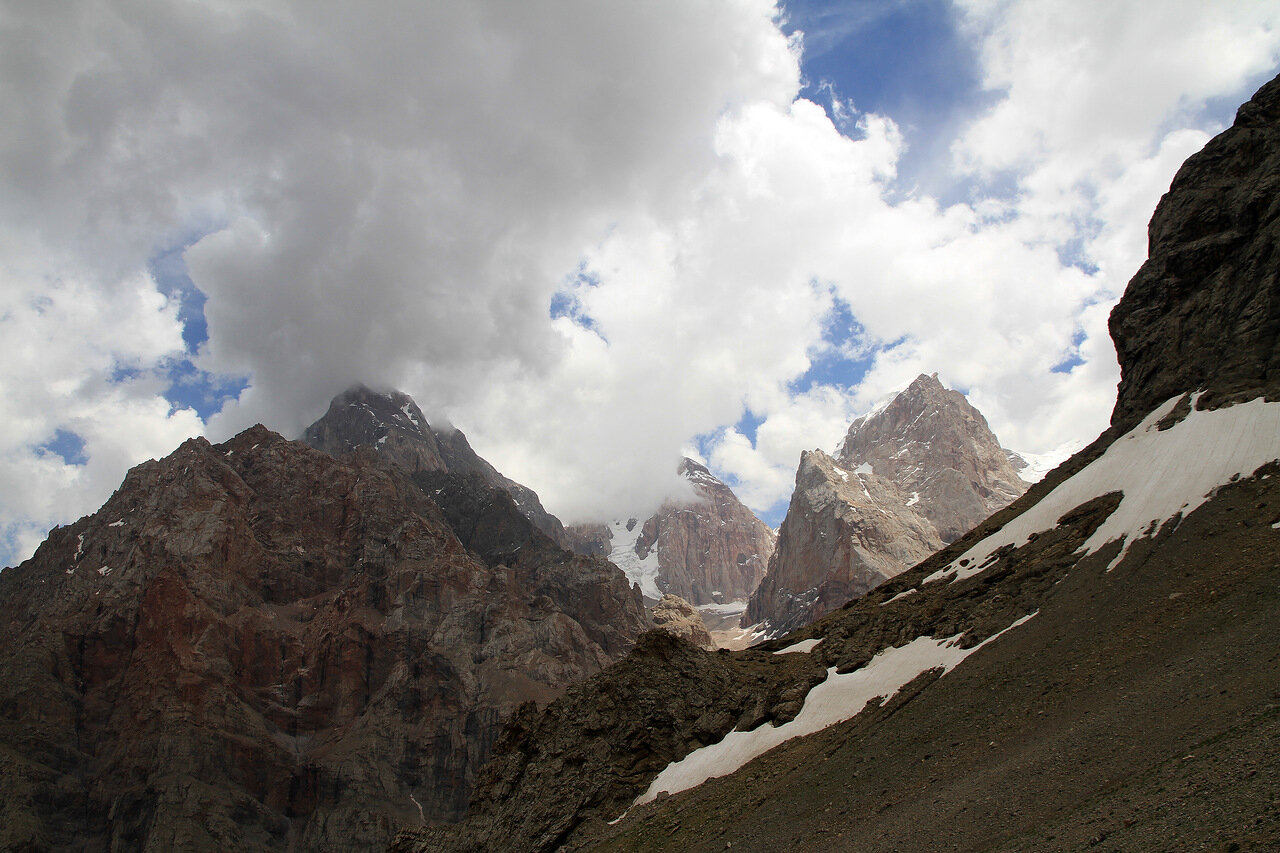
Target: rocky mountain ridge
258,646
910,477
708,550
1093,666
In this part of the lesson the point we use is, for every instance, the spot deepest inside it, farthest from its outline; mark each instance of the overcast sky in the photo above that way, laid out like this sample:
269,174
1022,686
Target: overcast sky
594,235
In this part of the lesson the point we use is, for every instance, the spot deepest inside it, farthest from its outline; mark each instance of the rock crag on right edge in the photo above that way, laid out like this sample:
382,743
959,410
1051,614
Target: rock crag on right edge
1187,321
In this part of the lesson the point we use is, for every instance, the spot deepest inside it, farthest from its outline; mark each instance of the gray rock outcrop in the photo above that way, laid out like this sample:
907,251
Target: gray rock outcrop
676,616
909,478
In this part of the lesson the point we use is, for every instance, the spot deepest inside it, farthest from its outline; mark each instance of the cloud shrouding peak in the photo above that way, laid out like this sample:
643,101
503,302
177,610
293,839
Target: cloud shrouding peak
587,233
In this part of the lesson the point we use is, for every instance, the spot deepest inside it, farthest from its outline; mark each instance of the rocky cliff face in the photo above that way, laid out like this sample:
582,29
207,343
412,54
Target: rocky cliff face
1186,321
909,478
256,646
938,450
1091,667
709,551
844,534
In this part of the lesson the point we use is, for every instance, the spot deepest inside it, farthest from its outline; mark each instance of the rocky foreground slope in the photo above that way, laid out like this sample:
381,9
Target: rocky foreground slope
910,477
1096,666
257,646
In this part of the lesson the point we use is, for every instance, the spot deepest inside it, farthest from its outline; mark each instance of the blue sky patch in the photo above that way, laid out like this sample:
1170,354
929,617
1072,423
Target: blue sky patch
749,424
845,356
905,59
565,301
189,387
67,445
193,388
1072,359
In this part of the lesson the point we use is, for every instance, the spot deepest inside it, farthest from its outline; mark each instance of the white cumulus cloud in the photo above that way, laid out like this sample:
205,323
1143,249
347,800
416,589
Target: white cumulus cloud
588,233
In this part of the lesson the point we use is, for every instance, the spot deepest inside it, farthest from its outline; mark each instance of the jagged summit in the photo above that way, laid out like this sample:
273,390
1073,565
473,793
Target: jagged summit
709,550
391,423
918,471
935,445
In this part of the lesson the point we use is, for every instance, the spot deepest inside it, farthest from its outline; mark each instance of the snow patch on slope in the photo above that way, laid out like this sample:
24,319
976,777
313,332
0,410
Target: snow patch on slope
838,698
1039,464
802,646
1162,473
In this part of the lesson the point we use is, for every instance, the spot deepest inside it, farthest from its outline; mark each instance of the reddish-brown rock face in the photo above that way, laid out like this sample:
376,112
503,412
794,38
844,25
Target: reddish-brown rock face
255,646
909,479
711,550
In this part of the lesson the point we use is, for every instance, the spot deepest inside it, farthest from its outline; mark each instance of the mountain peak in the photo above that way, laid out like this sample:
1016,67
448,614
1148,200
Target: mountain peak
389,421
391,424
927,429
925,380
696,472
912,475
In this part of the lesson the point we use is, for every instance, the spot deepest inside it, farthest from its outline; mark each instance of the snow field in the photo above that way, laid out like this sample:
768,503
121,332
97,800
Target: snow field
1161,472
838,698
898,596
624,556
802,646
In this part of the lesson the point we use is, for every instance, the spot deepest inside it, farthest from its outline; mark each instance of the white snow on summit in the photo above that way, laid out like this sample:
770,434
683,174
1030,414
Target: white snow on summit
1162,473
